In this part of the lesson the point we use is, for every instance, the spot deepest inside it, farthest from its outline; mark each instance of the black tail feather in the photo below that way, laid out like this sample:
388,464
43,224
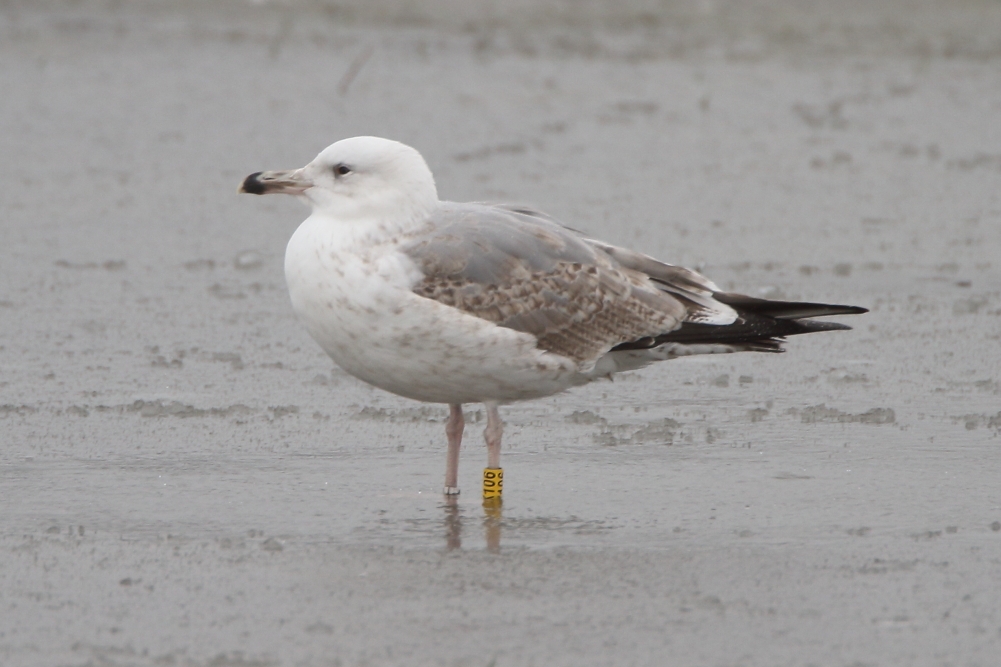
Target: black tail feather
761,325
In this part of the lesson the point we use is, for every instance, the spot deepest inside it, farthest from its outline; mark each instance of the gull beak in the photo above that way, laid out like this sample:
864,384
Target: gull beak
292,182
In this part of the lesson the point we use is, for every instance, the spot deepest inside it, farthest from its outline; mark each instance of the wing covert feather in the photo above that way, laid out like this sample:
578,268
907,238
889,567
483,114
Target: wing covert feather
525,272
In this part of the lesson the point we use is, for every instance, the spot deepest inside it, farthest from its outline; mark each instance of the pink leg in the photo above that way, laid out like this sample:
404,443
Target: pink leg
453,429
492,434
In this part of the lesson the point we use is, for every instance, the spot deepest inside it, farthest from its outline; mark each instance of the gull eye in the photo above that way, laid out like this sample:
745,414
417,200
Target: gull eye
342,170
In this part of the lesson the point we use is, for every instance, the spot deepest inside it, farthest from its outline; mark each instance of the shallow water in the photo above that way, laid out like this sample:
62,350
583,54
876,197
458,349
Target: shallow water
187,479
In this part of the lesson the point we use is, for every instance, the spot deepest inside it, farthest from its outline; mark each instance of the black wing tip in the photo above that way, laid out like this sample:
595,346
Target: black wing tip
785,310
751,332
850,310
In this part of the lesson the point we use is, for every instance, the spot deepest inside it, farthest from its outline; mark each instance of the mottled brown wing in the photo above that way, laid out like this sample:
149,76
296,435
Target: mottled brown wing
697,292
527,273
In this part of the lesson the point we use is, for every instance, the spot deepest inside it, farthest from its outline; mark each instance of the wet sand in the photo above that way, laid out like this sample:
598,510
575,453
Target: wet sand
187,480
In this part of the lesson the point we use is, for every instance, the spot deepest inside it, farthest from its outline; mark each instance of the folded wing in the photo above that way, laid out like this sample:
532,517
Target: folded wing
760,324
582,298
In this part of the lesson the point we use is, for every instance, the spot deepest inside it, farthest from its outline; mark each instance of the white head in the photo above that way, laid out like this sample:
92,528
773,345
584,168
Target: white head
359,177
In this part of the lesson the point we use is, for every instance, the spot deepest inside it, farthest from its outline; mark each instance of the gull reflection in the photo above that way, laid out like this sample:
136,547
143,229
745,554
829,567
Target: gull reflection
492,523
492,519
453,523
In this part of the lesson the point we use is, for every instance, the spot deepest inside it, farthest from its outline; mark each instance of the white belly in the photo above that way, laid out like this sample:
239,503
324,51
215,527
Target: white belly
360,308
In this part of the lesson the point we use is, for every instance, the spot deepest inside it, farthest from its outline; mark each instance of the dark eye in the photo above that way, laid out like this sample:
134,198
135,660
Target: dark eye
342,169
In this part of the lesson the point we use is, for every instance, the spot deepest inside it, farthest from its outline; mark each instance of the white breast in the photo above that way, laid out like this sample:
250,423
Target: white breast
352,290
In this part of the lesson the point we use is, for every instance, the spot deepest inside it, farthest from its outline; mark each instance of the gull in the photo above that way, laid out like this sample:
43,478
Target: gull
460,303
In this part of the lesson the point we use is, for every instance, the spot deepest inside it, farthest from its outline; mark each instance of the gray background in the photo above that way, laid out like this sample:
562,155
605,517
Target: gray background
187,480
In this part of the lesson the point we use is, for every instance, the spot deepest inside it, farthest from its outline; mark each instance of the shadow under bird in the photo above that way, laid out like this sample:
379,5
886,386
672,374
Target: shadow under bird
490,303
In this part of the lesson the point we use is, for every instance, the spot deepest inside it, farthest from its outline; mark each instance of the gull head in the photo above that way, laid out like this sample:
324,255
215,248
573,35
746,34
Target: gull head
361,177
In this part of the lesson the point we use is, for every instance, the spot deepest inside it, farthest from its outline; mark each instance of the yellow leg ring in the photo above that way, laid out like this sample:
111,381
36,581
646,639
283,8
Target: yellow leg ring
493,483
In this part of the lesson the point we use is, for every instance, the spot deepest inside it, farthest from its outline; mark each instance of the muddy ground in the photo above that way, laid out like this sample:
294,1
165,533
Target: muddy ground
187,480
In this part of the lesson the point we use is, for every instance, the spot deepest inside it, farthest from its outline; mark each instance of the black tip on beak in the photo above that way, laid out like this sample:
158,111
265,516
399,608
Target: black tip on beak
252,184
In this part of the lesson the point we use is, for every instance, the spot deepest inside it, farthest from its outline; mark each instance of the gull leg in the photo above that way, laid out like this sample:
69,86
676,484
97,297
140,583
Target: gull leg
453,429
493,476
492,434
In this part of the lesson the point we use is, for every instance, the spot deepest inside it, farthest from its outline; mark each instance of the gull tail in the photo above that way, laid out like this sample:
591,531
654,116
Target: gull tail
761,325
